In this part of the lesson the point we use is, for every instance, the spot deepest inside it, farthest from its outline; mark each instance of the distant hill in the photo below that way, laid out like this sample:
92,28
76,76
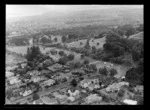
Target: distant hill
50,22
138,36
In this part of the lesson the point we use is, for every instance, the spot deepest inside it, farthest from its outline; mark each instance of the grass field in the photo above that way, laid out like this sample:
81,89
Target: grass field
92,42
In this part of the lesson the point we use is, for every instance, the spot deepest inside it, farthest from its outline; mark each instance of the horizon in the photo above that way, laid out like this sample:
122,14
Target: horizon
13,11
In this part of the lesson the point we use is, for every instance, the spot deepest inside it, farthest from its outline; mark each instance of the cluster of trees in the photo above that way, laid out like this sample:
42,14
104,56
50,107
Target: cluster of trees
106,72
135,75
19,41
32,52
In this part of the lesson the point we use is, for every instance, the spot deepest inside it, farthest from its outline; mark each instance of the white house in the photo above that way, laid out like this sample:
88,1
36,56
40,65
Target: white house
48,82
116,86
93,98
27,92
13,80
9,74
130,102
90,83
76,92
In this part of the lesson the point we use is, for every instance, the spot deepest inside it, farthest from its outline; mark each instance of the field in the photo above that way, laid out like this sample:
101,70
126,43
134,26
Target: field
92,42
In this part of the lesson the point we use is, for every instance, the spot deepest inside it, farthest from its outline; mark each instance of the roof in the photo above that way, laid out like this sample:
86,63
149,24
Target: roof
130,102
39,101
93,97
8,74
48,100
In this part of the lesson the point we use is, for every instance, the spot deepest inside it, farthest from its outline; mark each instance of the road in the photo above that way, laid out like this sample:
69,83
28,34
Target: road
51,89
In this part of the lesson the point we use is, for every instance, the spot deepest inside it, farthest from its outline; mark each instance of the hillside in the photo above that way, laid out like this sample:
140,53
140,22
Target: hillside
138,36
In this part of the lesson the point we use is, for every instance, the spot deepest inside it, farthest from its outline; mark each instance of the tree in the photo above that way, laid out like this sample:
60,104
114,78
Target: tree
63,39
61,53
86,61
32,53
74,83
93,67
53,52
82,56
62,61
70,57
113,72
36,96
55,39
103,71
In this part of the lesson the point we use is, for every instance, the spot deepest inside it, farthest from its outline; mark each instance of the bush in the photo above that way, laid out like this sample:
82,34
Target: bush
113,72
36,96
70,57
121,93
103,71
53,52
86,61
74,83
61,53
82,56
62,61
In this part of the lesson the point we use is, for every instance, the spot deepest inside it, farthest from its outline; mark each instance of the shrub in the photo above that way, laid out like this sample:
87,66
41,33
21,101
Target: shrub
36,96
103,71
53,52
113,72
61,53
62,61
70,57
74,83
86,61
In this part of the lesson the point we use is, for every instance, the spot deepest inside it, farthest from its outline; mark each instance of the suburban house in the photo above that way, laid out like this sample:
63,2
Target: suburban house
14,80
39,101
34,72
26,92
130,102
116,86
9,74
48,82
93,98
73,92
47,100
90,83
38,78
59,96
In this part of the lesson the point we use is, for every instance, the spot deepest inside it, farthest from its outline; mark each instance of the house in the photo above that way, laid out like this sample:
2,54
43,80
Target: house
130,102
60,96
38,78
48,82
73,92
26,92
93,98
34,72
116,86
39,101
71,98
47,100
14,80
90,83
23,65
9,74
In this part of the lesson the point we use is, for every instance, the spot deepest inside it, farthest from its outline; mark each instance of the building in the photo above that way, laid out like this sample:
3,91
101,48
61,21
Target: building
39,101
47,100
116,86
93,98
73,92
26,92
14,80
91,84
130,102
9,74
34,72
48,82
38,78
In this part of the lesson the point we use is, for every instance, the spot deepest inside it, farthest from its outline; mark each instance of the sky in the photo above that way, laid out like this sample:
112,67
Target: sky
30,10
